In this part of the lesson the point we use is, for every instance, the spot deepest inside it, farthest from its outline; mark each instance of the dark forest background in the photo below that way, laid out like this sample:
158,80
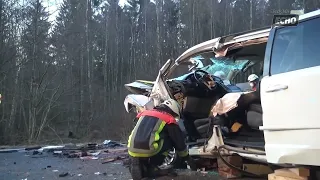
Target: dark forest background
68,75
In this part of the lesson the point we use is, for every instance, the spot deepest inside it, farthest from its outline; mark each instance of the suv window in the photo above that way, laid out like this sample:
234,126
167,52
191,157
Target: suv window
296,47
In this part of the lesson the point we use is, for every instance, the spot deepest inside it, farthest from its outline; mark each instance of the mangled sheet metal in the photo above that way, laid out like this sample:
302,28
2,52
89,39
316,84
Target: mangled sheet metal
138,87
222,51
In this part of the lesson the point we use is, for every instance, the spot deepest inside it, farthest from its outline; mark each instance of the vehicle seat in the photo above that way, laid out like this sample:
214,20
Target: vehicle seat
254,116
204,126
254,110
196,108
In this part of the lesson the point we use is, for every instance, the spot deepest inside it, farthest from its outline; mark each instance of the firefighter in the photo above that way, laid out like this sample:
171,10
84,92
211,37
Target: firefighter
253,81
157,131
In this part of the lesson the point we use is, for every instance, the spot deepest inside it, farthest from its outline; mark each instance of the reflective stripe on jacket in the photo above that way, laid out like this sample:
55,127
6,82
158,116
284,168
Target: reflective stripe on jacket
145,140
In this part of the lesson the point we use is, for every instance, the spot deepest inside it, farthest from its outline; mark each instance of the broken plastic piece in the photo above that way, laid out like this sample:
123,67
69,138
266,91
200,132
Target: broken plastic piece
64,174
49,148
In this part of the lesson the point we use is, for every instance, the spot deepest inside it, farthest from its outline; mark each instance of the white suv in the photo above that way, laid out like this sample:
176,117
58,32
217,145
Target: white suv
281,121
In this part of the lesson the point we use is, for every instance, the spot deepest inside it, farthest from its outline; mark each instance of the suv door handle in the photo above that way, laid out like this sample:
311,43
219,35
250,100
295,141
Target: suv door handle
276,88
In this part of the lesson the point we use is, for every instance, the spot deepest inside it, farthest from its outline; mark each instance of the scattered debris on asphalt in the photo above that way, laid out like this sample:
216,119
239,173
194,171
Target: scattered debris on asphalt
9,150
107,152
64,174
49,148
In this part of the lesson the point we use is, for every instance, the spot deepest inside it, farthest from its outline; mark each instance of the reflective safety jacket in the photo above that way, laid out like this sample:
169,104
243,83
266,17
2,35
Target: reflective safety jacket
152,129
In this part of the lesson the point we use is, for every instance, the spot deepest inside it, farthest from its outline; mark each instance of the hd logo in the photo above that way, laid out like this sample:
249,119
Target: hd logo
285,20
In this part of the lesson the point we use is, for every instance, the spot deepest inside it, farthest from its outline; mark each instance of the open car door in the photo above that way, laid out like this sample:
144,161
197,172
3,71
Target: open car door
290,95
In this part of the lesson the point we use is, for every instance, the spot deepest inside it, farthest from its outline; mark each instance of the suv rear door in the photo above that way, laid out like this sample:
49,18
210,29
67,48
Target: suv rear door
290,93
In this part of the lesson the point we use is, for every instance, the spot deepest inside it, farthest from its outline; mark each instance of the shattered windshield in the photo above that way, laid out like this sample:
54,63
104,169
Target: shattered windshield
213,66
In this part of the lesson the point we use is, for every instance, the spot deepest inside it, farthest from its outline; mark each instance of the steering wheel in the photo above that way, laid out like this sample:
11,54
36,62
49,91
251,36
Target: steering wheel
201,79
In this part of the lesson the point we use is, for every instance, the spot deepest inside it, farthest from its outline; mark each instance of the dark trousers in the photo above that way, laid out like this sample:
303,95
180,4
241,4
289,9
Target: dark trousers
158,159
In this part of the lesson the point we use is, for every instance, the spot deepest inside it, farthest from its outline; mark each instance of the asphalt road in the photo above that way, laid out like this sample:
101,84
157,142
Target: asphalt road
22,166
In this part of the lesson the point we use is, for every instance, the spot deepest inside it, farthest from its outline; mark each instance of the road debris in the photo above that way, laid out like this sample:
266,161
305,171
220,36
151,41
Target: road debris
64,174
8,150
89,157
112,144
108,160
50,148
32,148
106,152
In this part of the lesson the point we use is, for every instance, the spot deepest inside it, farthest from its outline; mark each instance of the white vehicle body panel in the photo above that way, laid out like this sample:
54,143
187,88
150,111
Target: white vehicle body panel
160,90
137,100
290,103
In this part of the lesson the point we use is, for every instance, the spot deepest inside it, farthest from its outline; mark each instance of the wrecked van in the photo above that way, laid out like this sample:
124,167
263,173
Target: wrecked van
276,124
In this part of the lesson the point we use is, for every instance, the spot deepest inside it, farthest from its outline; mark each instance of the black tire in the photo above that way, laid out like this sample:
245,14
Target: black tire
136,169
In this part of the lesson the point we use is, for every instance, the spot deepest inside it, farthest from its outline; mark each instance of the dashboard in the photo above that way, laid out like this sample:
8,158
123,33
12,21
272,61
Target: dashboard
190,86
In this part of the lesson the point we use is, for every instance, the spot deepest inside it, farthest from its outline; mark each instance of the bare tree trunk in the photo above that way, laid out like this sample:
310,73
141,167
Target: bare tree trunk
231,20
158,11
14,100
117,52
132,47
88,60
45,120
212,22
225,18
1,30
198,27
193,24
81,91
32,108
105,71
251,17
180,40
145,30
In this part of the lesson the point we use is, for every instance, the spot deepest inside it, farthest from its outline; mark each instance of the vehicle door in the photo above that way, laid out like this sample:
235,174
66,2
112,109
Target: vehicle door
290,94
